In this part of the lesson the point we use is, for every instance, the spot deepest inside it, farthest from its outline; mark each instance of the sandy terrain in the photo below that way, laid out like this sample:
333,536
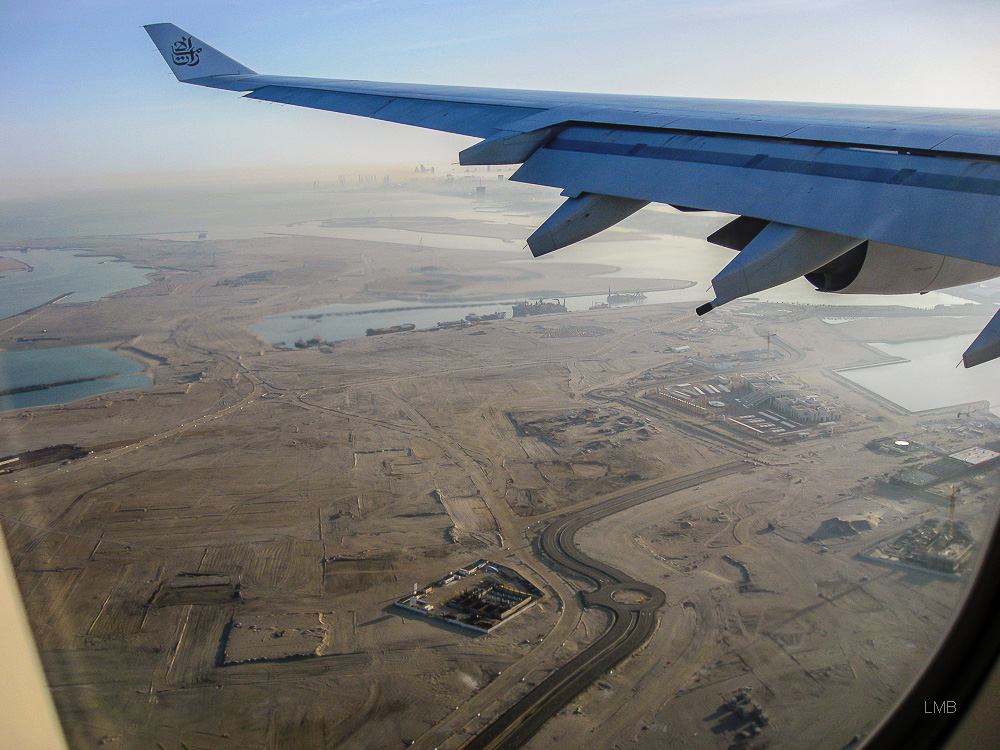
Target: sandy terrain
9,265
256,491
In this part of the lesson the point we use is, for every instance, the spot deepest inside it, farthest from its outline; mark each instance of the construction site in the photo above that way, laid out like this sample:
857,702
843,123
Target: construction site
764,405
479,597
945,467
225,558
932,546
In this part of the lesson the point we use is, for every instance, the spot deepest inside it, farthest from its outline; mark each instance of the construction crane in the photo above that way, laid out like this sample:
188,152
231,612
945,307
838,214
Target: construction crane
951,511
952,496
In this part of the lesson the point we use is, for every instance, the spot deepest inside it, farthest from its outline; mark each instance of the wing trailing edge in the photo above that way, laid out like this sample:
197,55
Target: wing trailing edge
836,193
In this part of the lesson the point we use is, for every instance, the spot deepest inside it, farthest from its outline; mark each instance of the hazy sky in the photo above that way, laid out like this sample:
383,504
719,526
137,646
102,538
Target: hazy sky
84,90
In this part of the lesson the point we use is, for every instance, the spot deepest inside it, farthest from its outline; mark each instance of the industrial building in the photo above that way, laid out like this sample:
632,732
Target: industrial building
765,405
952,466
478,597
784,396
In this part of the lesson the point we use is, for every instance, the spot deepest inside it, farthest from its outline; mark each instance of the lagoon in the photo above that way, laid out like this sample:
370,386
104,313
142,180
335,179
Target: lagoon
94,370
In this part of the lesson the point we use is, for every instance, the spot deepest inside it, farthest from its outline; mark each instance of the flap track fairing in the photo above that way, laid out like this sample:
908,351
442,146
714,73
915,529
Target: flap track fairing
579,218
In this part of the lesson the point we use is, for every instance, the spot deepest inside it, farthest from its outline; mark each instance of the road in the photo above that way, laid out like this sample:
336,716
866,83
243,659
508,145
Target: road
633,606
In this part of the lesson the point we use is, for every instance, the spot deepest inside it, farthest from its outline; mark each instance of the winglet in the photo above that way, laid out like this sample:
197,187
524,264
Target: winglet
190,58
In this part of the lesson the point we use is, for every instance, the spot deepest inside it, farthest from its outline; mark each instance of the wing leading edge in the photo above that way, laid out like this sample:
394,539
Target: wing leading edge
857,199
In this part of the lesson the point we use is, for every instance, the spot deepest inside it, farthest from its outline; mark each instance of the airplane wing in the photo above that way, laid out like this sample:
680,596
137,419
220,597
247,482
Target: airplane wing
884,200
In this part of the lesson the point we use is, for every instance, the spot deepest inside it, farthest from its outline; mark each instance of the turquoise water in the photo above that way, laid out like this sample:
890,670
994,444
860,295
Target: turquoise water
76,277
41,366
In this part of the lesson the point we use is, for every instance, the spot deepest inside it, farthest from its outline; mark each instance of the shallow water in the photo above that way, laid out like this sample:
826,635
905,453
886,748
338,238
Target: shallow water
341,322
408,237
930,378
42,366
83,277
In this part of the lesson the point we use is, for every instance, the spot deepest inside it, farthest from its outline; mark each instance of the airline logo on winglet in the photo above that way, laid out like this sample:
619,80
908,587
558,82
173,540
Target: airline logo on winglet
184,52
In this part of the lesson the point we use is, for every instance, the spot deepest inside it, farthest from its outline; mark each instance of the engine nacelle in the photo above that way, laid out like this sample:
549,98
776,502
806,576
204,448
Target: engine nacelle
878,268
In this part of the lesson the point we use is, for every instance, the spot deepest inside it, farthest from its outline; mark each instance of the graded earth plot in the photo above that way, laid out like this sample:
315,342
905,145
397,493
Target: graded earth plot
753,602
243,527
262,638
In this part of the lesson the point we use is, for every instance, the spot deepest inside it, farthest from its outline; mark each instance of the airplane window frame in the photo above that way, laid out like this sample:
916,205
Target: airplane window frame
958,671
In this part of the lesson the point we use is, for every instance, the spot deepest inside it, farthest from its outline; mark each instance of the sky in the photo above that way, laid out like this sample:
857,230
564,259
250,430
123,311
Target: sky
85,92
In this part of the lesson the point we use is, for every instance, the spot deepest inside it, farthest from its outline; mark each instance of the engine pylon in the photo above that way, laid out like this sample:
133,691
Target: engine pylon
779,253
986,346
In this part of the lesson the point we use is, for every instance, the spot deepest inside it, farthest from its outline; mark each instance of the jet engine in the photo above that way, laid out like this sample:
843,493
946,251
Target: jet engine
771,253
878,268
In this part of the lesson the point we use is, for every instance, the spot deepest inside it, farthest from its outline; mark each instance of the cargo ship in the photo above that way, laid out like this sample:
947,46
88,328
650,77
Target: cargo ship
624,298
541,307
473,318
314,341
390,329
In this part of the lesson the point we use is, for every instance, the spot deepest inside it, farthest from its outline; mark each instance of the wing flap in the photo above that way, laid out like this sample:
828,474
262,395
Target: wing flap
862,135
945,206
971,143
955,137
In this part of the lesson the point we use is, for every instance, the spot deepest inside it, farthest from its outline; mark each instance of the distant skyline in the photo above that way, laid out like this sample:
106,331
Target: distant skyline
86,93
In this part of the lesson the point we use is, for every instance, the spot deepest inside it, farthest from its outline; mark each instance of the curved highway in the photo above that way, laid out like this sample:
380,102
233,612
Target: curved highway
633,615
